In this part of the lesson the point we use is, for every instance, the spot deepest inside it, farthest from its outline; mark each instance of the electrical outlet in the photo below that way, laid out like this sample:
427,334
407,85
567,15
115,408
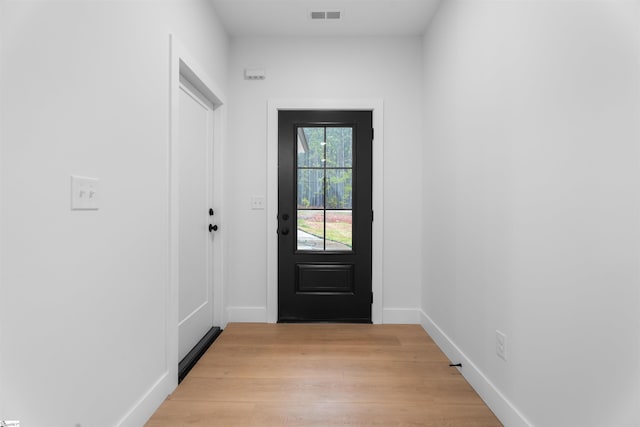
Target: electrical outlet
501,345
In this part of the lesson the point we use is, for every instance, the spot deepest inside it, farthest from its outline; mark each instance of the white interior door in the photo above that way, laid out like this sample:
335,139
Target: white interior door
195,290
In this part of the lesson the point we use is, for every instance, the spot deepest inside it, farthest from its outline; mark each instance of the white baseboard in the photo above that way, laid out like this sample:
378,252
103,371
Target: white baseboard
149,402
495,400
400,316
247,314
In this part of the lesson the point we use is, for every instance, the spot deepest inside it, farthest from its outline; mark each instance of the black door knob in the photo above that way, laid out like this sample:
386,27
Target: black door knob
213,228
284,231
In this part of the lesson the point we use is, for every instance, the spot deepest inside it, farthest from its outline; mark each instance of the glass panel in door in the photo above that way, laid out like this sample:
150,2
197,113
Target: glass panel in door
324,189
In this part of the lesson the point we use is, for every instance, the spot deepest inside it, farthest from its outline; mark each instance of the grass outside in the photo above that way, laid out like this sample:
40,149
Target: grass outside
339,227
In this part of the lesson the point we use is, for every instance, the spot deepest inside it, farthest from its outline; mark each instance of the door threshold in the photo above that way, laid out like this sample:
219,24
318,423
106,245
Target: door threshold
366,321
197,352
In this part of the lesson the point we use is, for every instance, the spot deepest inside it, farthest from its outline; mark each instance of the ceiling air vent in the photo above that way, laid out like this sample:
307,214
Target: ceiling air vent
325,15
333,15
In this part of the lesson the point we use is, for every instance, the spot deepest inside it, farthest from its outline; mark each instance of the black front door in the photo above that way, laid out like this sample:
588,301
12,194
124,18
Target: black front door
324,216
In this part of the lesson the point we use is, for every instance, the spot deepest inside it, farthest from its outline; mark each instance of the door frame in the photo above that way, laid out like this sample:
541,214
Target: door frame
376,107
183,64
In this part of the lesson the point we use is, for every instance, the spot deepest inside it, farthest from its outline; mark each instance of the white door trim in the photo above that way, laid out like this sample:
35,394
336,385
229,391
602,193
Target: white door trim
274,105
183,65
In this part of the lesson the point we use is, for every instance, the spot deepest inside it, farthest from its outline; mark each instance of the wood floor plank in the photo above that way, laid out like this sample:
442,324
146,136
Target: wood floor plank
383,415
297,367
200,414
324,389
324,375
417,352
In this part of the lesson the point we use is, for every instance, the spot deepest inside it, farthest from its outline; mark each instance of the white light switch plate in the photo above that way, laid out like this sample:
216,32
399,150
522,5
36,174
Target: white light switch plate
84,193
257,202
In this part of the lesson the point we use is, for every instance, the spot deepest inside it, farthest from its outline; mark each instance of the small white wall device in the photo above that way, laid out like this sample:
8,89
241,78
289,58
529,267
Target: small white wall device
254,74
84,193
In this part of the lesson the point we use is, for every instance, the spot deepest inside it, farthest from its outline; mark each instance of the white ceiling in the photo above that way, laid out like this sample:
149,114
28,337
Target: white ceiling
291,17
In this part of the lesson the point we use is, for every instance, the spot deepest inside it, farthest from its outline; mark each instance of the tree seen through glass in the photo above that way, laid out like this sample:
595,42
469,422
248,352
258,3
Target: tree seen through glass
325,188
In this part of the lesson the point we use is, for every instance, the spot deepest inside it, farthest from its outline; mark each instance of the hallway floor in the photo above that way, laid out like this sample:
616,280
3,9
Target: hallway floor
324,375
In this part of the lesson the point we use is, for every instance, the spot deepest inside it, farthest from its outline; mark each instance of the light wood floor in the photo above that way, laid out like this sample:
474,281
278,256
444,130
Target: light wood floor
323,375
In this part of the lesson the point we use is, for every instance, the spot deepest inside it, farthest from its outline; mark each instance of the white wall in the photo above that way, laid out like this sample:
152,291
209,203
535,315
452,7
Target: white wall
85,90
318,69
2,404
532,207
